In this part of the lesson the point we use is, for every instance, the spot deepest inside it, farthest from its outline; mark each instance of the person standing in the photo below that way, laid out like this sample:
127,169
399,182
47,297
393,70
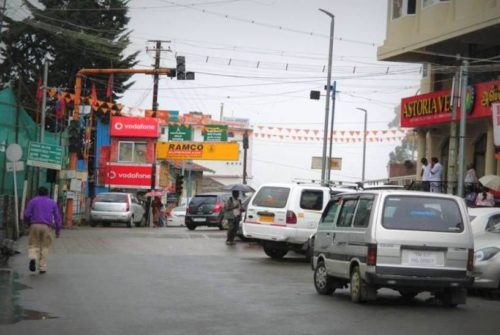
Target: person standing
232,213
44,218
156,207
485,198
436,175
425,173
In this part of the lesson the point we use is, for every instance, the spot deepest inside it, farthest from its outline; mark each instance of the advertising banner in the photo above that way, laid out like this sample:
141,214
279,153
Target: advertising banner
180,133
134,127
215,133
216,151
335,163
495,112
128,176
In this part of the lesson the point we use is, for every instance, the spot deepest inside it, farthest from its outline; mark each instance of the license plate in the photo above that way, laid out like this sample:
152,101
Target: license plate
199,219
423,258
266,219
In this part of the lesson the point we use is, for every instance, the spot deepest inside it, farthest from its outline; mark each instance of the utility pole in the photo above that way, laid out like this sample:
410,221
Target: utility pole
44,100
452,147
463,121
245,149
221,111
331,132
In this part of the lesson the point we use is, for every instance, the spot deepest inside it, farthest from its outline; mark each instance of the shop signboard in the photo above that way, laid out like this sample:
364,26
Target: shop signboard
495,113
217,151
128,176
179,133
215,133
335,163
134,127
44,155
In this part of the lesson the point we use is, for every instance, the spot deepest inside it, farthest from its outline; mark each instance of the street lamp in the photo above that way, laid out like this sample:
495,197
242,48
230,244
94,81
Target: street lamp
327,104
364,144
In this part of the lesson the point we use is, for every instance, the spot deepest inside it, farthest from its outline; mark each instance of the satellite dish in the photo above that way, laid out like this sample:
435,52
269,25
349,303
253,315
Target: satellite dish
14,152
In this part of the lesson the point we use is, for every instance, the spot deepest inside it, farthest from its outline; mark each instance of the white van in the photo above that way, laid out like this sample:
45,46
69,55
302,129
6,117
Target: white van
408,241
283,216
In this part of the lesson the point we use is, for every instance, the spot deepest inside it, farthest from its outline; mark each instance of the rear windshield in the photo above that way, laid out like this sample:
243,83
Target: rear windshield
271,196
111,197
422,213
203,200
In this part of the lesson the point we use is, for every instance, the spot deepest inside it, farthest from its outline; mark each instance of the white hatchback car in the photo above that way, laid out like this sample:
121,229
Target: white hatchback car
284,216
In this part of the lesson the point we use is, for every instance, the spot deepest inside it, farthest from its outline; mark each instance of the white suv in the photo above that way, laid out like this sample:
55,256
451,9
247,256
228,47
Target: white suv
283,216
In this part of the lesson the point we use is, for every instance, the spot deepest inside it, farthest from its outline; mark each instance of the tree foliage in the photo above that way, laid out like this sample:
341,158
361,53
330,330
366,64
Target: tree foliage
71,34
404,151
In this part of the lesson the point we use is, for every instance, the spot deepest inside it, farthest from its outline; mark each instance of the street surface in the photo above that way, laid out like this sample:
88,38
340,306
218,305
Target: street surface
173,281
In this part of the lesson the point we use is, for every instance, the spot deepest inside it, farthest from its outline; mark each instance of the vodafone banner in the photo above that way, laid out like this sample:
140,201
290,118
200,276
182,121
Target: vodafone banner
495,112
130,176
134,126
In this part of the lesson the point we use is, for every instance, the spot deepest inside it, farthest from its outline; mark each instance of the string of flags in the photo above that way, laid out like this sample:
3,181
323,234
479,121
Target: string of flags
336,139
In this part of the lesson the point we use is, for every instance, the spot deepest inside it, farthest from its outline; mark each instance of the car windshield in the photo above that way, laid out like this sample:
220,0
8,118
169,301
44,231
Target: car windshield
111,197
203,200
422,213
271,196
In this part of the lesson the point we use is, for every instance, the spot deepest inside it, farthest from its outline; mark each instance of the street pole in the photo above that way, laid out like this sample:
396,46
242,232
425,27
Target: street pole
245,149
364,144
463,122
327,103
44,100
331,130
452,147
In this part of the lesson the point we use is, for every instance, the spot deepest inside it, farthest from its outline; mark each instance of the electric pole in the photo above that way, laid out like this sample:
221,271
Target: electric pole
156,77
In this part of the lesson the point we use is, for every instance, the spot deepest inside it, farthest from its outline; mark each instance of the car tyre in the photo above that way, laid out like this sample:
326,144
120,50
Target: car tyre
408,294
275,252
130,223
190,226
323,283
357,287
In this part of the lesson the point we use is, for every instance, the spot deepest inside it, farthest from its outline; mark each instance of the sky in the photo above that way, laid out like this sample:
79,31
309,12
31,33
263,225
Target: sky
261,58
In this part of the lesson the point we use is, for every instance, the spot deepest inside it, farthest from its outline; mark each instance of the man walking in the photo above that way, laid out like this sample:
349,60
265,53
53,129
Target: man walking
43,217
425,174
232,213
436,175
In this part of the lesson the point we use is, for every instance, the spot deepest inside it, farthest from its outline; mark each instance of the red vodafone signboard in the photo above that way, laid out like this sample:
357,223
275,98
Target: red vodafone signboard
432,108
134,126
129,176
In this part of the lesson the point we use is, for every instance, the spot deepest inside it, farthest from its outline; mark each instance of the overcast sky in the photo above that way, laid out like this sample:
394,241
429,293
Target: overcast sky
243,59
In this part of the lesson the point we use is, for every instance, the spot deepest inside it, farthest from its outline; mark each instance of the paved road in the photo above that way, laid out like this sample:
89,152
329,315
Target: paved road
172,281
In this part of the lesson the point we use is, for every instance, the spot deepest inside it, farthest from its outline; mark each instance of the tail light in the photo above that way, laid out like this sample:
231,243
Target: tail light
371,257
291,218
470,260
218,207
128,207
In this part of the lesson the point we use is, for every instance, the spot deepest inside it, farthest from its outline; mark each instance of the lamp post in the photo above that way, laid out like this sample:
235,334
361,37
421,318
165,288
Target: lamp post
327,104
364,144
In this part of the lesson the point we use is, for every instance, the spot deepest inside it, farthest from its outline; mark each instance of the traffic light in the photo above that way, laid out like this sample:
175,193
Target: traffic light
179,184
181,67
245,140
74,136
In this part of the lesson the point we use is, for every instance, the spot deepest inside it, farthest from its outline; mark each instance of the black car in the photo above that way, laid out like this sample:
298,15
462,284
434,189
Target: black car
206,210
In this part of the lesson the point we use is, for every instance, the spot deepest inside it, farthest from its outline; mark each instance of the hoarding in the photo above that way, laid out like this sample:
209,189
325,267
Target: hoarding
217,151
134,127
335,163
215,133
128,176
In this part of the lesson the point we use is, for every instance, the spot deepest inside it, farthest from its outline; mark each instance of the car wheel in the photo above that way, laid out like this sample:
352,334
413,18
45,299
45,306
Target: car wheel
449,298
275,252
190,226
220,226
322,281
408,294
93,223
106,224
130,223
357,286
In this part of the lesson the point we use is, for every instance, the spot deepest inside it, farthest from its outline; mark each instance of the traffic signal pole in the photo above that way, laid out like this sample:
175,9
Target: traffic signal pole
76,112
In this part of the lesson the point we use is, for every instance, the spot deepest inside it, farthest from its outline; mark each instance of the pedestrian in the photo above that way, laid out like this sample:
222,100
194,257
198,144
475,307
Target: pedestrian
232,213
156,207
43,218
425,174
470,183
485,198
436,175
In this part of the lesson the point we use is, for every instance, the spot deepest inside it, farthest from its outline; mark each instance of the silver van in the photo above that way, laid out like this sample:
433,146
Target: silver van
407,241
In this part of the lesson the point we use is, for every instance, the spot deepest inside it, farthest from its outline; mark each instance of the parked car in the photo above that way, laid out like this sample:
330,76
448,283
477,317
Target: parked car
177,216
283,216
116,207
487,259
405,240
206,210
483,218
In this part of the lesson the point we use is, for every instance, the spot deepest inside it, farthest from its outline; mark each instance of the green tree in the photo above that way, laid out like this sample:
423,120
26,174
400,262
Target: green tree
71,34
403,152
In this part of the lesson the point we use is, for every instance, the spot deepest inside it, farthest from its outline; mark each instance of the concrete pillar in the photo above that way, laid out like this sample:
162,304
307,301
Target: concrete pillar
490,161
421,139
429,145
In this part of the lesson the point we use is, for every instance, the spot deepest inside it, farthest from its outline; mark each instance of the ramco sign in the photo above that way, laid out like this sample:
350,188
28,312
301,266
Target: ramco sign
129,176
134,127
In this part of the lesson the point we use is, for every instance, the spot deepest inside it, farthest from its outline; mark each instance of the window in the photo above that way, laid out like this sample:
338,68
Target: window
271,196
362,218
403,8
330,213
132,152
111,197
346,213
422,214
311,199
428,3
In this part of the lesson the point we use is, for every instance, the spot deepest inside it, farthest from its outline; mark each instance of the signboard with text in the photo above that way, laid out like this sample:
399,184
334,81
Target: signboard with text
129,176
495,113
179,133
215,133
134,127
217,151
335,163
43,155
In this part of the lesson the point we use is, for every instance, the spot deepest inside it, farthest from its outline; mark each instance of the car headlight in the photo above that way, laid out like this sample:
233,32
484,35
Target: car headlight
485,254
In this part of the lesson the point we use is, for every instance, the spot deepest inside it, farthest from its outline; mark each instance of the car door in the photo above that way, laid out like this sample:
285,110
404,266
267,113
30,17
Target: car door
323,242
137,209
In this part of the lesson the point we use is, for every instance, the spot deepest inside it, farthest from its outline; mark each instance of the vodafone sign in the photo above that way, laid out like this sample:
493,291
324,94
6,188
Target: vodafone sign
134,126
131,176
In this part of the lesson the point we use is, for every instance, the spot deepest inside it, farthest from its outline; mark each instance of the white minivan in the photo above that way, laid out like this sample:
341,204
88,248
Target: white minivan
283,216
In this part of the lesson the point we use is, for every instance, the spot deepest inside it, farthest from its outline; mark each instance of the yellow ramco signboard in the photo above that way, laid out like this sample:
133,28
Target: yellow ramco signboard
210,151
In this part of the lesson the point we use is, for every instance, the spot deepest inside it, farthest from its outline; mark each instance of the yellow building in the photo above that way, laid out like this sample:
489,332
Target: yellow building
441,34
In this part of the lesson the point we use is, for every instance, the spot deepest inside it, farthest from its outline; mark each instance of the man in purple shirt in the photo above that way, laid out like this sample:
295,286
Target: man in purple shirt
43,217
